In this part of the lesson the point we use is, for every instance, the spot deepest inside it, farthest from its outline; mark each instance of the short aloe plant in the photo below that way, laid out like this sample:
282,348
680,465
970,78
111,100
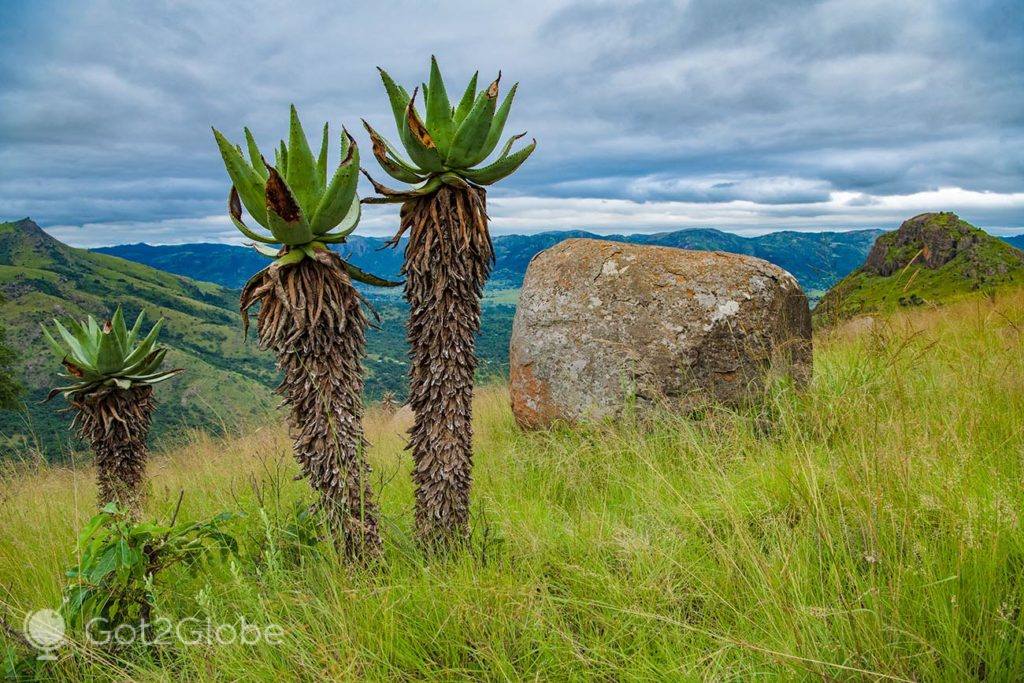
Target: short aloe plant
111,371
310,313
447,262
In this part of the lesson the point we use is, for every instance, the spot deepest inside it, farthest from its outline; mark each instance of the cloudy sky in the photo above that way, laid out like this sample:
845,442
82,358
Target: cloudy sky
650,116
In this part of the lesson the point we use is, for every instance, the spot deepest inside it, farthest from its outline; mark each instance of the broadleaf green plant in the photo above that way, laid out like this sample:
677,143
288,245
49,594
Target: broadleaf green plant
119,560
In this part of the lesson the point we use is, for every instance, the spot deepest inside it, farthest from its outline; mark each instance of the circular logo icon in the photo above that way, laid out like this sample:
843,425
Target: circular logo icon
44,629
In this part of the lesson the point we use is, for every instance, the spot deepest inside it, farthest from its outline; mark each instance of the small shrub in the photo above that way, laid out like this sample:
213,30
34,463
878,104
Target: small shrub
120,560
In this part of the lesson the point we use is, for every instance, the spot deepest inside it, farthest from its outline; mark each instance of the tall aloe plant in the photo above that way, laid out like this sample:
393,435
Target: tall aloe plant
447,262
111,370
310,314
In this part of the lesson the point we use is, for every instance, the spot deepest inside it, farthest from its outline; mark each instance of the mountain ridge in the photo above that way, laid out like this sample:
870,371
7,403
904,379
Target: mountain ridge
816,259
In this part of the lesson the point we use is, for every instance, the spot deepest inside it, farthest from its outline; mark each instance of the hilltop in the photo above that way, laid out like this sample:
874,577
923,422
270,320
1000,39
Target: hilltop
869,528
227,382
931,258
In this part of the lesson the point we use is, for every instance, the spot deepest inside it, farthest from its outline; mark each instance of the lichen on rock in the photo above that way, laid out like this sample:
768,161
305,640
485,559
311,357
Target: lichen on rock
599,323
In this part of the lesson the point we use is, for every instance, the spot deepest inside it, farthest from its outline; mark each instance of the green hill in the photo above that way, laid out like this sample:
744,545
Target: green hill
931,258
227,382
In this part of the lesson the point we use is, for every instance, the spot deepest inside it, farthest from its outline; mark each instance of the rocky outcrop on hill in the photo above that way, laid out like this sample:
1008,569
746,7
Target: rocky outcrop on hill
931,258
930,239
601,323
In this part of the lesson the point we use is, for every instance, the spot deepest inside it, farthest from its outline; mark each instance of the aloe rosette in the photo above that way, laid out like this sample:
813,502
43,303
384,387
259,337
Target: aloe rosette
449,144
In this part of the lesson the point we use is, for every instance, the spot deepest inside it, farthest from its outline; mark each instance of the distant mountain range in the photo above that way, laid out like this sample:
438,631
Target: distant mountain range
817,259
228,382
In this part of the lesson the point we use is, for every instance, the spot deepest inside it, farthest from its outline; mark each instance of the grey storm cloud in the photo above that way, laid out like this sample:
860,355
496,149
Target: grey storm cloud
650,115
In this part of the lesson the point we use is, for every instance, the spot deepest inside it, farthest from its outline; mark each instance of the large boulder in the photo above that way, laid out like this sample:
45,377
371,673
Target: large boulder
601,322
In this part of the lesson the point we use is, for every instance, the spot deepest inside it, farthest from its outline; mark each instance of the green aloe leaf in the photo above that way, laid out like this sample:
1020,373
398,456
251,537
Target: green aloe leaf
255,157
345,228
301,175
146,364
289,258
109,359
281,158
146,345
501,168
397,96
119,331
58,350
418,142
497,126
466,103
439,109
361,275
284,214
341,193
508,144
263,249
136,328
243,177
235,211
88,335
472,132
78,353
321,160
389,159
158,377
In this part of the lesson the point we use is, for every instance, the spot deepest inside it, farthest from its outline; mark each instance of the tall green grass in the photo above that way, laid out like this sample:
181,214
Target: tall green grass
866,528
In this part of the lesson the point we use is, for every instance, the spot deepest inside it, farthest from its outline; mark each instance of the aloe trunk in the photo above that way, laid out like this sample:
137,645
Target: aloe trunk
116,423
447,262
311,317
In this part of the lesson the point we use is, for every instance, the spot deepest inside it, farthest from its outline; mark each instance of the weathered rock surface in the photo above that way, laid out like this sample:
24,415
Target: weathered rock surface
599,322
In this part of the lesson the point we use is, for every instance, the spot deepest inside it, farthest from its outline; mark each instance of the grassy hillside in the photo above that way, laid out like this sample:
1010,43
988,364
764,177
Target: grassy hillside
227,381
868,529
932,258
